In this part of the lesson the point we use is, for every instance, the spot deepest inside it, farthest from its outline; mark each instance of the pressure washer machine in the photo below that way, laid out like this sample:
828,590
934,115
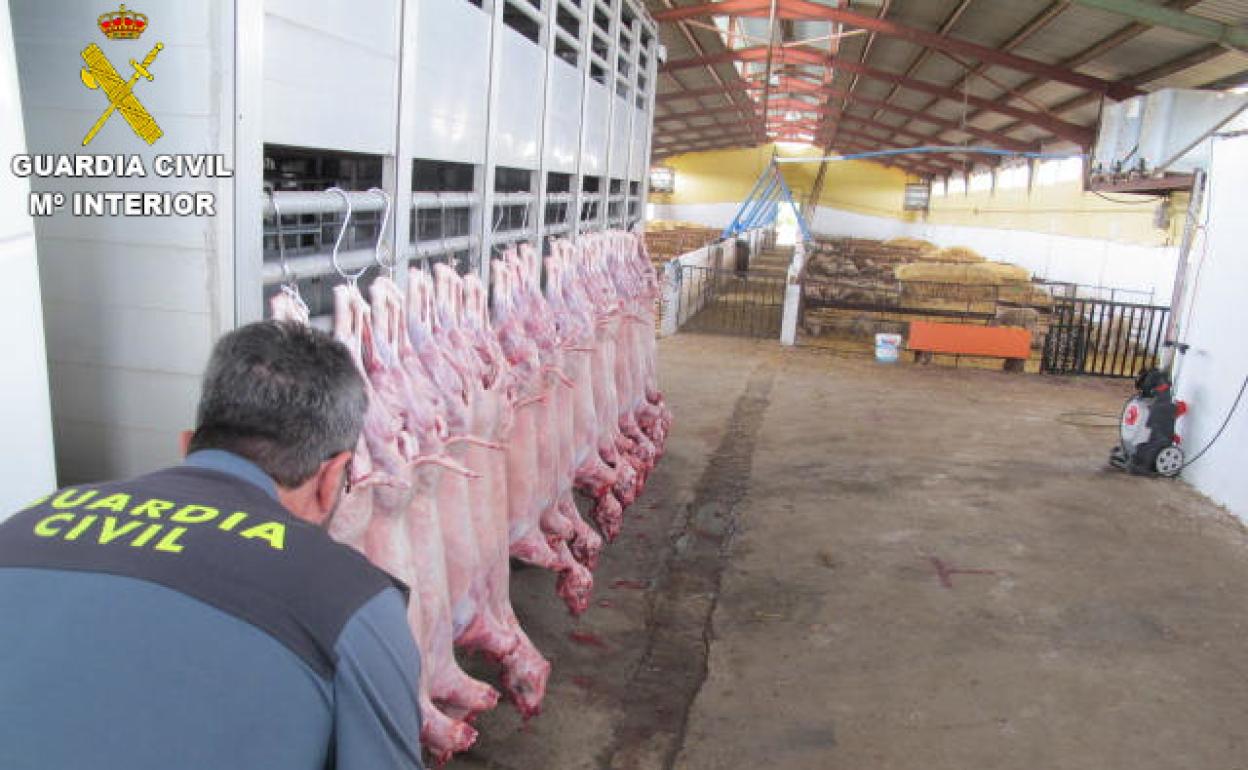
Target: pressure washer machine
1148,443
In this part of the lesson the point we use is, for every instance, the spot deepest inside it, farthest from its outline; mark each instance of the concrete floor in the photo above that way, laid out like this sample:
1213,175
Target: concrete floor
847,565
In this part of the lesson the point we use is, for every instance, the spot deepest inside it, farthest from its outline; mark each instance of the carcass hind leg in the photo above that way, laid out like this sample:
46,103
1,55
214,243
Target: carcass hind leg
485,634
608,514
524,677
586,544
443,736
575,583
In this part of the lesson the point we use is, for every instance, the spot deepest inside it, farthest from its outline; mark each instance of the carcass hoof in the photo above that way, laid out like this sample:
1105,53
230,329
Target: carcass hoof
575,585
444,737
608,514
586,548
524,677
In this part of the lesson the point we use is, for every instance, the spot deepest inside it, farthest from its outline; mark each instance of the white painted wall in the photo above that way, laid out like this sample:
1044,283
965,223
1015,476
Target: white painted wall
1210,375
708,214
131,305
25,412
1056,257
832,221
1090,261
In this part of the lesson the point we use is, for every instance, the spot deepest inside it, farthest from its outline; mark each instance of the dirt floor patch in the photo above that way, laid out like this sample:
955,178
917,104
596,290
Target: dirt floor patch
682,603
929,569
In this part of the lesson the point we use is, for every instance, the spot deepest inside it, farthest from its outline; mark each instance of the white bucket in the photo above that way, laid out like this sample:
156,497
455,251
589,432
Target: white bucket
887,348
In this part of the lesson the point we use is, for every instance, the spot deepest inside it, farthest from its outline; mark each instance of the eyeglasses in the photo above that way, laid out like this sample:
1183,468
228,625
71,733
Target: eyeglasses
348,470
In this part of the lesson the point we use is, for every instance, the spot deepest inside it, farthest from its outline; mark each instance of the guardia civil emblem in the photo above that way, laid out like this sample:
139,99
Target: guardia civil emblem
99,74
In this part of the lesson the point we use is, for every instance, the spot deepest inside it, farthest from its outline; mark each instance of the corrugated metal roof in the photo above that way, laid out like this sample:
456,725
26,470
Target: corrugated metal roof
1226,66
1065,34
1149,49
1225,11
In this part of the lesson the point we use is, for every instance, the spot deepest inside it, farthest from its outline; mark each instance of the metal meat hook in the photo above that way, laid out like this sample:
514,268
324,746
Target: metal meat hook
350,278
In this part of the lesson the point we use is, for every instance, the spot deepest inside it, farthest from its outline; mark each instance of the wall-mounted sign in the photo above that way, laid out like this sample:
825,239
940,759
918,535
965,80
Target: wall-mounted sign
662,179
917,197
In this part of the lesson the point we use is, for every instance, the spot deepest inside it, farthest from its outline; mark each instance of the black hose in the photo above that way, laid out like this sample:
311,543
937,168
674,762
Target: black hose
1222,427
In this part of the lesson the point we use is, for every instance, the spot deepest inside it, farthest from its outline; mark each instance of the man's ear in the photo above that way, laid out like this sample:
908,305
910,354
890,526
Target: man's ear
329,482
184,440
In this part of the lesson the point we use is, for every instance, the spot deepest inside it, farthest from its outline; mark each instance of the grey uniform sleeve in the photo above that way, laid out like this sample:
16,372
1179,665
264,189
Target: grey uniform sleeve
376,707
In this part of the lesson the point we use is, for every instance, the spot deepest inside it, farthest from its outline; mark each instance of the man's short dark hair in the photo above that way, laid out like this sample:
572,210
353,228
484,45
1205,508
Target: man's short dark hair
283,395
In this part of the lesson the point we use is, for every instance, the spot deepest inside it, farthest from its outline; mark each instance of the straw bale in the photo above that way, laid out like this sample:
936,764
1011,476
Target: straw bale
911,243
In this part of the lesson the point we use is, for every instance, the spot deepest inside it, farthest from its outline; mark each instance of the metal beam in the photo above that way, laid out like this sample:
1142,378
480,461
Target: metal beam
807,10
1158,16
882,142
711,132
805,55
722,8
924,52
1163,70
703,113
892,130
993,137
698,93
698,49
853,83
689,136
745,145
914,166
1092,52
1034,25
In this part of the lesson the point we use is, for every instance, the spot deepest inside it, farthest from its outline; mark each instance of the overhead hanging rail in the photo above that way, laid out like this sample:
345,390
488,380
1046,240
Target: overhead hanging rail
322,202
762,205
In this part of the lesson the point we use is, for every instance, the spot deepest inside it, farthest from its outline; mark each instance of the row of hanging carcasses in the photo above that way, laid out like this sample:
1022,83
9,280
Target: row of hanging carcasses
485,413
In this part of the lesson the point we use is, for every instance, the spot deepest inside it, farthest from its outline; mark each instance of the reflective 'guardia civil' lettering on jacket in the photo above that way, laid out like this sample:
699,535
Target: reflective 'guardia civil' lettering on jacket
193,579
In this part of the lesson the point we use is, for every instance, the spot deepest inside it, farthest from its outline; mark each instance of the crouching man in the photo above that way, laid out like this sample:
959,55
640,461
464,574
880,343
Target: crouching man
200,616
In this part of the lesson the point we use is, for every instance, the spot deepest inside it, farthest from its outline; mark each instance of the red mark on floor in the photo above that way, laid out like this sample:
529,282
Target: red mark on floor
583,682
587,639
946,572
640,585
605,603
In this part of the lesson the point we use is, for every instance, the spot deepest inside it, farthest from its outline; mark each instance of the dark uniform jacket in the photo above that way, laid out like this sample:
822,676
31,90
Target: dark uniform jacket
185,619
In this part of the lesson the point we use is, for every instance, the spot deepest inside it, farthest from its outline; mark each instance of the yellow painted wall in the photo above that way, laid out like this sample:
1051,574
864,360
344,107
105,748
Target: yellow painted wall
727,176
1062,209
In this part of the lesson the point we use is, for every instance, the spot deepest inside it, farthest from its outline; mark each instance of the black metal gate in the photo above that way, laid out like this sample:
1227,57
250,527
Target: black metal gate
1103,338
720,301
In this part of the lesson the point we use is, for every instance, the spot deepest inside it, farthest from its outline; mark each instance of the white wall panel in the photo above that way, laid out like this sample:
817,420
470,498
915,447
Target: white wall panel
639,160
125,298
1214,368
594,151
366,24
349,105
519,101
90,451
621,137
452,81
25,417
135,338
565,118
